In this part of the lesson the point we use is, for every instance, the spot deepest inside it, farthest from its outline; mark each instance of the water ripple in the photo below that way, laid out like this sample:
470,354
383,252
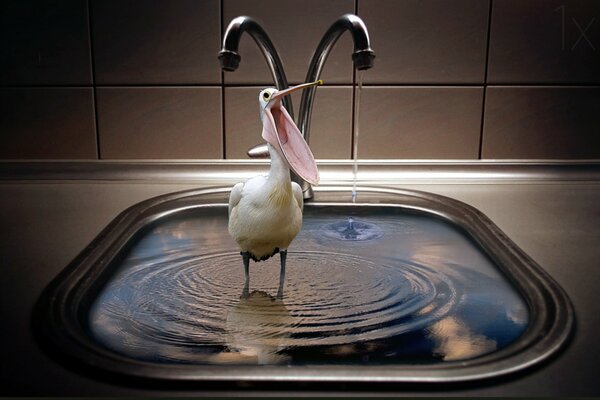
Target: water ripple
187,307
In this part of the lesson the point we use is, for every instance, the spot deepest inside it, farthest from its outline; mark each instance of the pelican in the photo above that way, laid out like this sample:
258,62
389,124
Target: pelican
265,212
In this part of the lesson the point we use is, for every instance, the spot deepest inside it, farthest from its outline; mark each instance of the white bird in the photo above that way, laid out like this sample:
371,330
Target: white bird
265,212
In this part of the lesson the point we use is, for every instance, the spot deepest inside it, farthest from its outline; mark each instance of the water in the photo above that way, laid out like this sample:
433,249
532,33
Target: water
359,79
415,290
351,229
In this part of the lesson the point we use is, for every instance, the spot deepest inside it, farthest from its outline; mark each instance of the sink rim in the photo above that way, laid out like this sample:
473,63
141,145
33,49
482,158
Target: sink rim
59,312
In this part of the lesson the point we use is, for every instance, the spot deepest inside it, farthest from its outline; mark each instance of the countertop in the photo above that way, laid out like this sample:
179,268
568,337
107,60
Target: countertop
50,211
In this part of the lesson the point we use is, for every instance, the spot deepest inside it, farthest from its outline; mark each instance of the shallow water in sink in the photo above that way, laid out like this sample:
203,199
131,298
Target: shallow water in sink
404,289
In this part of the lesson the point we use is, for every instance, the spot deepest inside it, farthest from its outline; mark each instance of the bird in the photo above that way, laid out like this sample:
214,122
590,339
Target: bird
265,212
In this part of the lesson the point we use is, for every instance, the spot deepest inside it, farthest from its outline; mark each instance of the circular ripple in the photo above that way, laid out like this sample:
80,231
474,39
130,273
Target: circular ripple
352,229
187,308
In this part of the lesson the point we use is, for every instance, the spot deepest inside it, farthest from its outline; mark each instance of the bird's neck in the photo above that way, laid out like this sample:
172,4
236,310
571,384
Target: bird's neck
279,174
279,191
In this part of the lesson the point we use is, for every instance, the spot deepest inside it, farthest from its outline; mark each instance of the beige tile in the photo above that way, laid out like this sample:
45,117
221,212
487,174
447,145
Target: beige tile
47,123
160,122
242,123
420,122
295,27
331,127
542,123
163,42
427,41
44,43
545,41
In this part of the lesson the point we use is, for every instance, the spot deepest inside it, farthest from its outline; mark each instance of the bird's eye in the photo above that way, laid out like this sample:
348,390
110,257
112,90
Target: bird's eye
266,96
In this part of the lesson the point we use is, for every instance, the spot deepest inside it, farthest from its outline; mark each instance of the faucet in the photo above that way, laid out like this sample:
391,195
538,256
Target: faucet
230,58
362,56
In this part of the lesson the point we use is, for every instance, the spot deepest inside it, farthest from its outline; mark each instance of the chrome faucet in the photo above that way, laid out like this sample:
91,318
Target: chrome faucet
362,56
230,58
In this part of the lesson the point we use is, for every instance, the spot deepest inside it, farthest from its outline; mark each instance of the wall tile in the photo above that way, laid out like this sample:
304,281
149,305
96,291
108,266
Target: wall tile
43,123
331,127
161,123
139,44
545,41
331,123
542,122
156,42
420,122
295,27
427,41
44,42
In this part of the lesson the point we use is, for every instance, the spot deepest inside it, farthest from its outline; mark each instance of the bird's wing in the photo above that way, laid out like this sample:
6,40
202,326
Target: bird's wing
297,190
235,195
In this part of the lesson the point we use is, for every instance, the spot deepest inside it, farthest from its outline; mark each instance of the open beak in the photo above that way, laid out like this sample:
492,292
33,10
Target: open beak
279,94
281,132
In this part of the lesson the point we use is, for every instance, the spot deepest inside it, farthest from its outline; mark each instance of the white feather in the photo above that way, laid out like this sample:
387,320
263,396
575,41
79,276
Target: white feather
297,190
265,213
235,196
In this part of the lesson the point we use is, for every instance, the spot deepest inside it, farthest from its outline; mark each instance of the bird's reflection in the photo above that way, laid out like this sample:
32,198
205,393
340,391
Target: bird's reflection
454,340
258,326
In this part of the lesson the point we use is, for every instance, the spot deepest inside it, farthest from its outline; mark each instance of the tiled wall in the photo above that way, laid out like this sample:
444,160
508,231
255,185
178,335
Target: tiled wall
453,79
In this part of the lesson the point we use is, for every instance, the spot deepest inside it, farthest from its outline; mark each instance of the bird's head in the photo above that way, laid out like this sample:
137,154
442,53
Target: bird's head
264,98
280,131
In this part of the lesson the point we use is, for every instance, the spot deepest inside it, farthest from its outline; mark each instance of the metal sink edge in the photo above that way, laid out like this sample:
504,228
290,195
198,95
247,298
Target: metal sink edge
58,314
370,172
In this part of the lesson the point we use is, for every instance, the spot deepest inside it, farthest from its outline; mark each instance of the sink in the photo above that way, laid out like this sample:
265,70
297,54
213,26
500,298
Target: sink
400,286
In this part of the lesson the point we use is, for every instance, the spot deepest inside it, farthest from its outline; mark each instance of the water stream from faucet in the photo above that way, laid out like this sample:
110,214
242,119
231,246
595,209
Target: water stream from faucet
359,79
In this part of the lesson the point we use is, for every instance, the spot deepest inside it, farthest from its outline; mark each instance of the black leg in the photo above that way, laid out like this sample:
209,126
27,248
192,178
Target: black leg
246,259
283,256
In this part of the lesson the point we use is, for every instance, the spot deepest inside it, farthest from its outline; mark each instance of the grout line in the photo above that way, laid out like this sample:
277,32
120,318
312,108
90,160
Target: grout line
591,85
352,113
485,79
223,132
481,126
354,117
95,97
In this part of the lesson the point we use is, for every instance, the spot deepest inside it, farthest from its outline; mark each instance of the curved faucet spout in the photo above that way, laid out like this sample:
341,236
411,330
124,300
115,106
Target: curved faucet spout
362,56
230,58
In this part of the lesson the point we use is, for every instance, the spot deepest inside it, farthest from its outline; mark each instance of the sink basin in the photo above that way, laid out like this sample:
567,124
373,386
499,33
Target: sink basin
401,286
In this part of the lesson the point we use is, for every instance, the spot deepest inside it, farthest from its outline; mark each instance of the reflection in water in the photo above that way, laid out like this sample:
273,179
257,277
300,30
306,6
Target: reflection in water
417,292
455,341
257,328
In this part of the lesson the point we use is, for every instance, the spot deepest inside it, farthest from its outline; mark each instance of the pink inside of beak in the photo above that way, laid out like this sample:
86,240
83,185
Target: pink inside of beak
280,130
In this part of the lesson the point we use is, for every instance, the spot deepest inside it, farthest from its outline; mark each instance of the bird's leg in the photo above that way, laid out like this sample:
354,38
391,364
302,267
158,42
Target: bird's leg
283,256
246,259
